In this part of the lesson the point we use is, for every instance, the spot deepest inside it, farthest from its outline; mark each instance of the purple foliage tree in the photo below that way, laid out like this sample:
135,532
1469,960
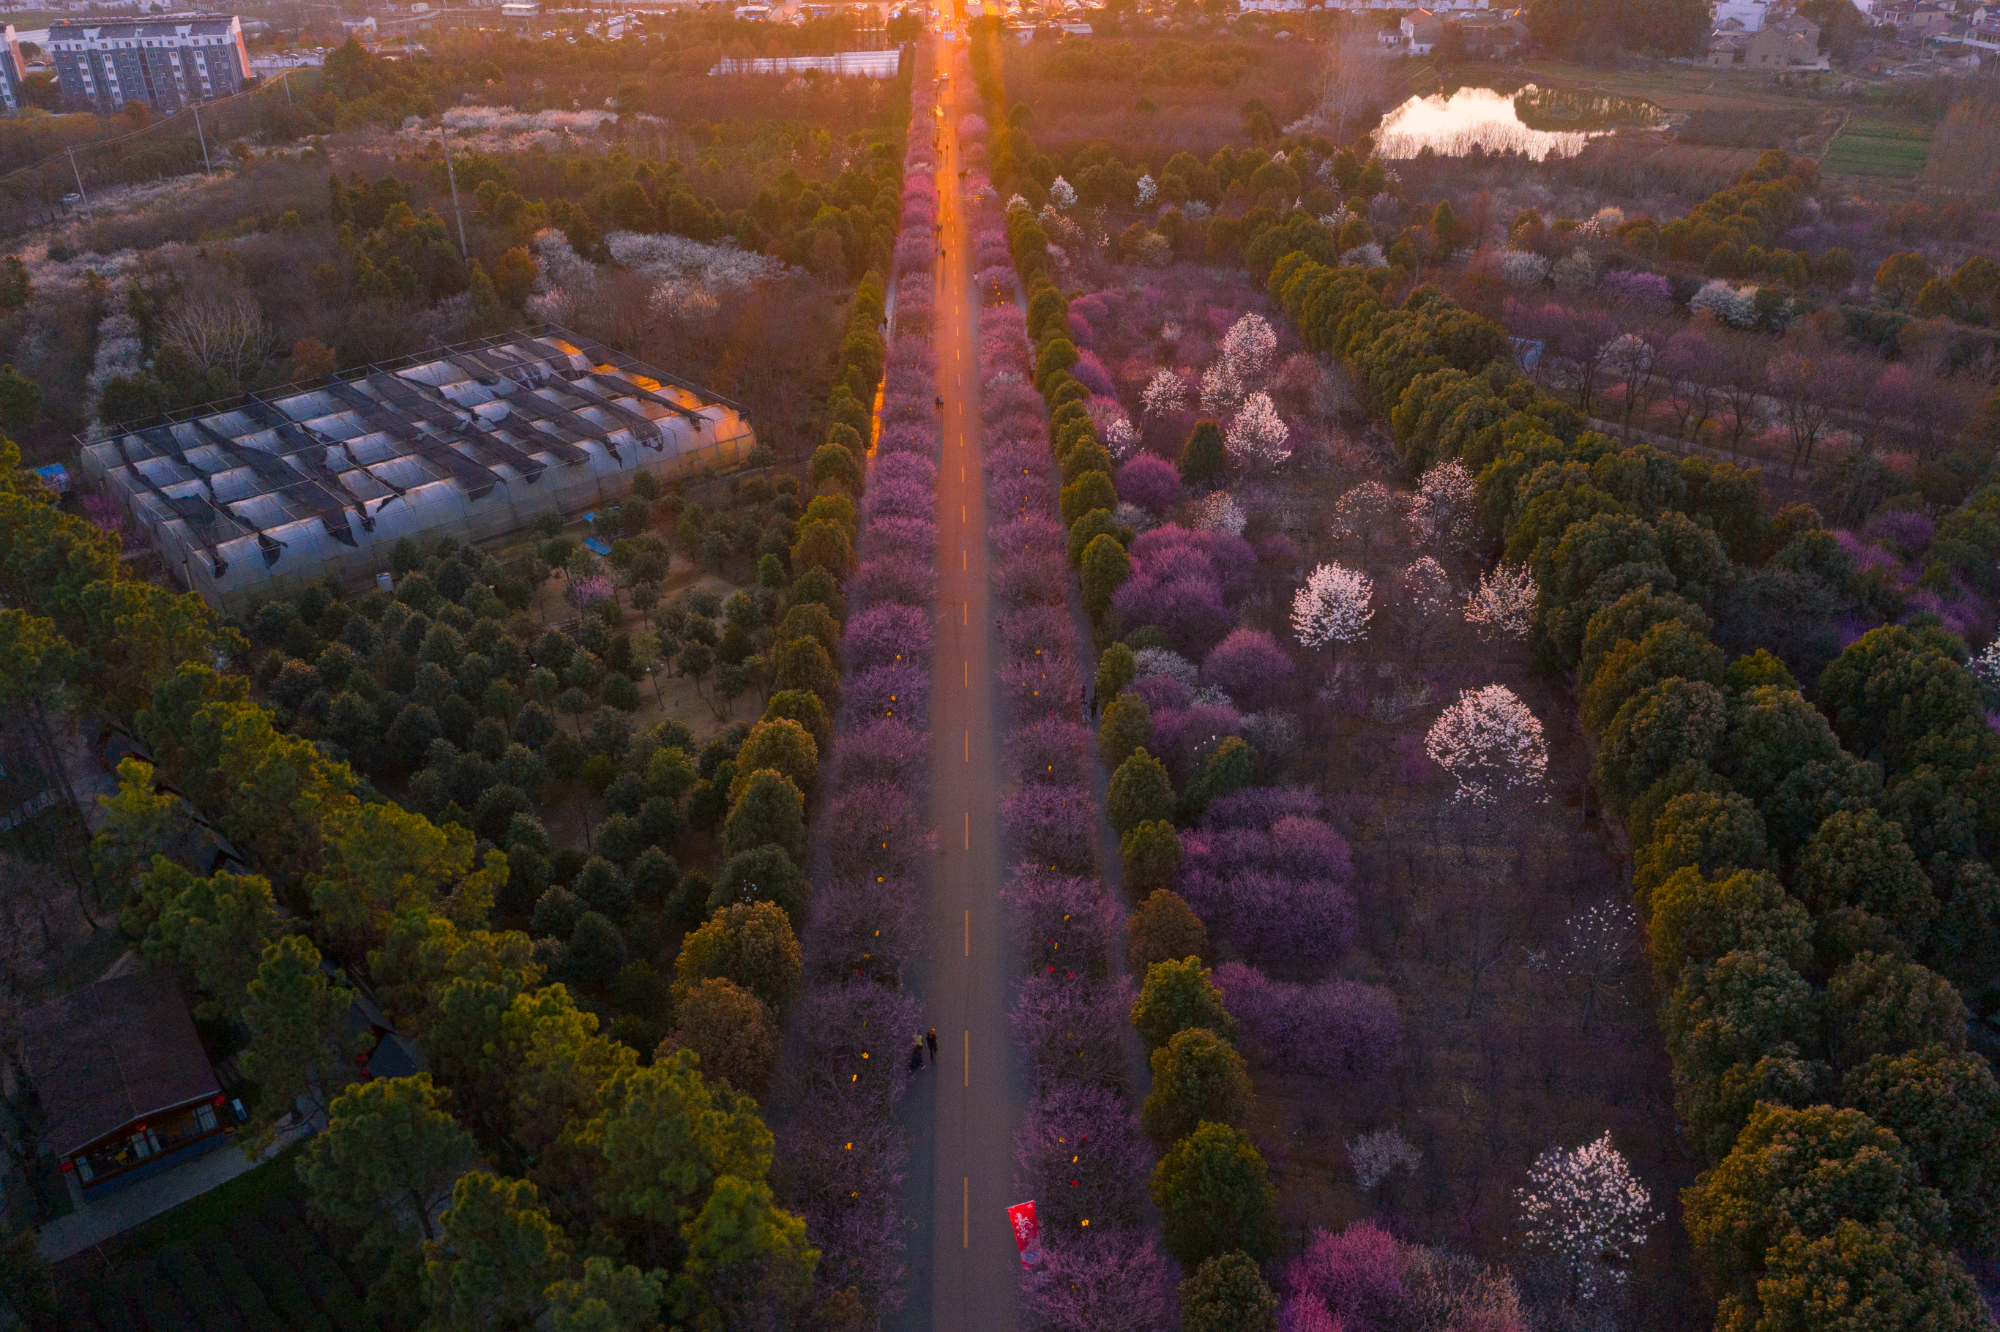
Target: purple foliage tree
1113,1281
1061,922
1357,1274
1250,666
886,635
1053,825
873,828
1079,1154
1151,482
1070,1031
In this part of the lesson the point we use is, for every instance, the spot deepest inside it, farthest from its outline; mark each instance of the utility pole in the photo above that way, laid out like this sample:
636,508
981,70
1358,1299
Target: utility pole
202,135
452,176
81,192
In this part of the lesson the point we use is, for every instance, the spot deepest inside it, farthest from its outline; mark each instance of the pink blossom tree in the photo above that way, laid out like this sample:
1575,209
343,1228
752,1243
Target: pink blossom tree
1056,825
1357,1275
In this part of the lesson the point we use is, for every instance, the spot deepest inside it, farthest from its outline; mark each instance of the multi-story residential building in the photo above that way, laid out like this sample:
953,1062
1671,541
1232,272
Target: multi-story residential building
166,63
12,70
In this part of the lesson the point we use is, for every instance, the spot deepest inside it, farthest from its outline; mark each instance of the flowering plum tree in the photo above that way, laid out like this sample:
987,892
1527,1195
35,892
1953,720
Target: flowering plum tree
1116,1280
1332,607
1586,1208
1221,390
1489,741
1151,482
1503,605
1378,1155
1427,599
1360,513
1248,347
1250,666
1444,511
1165,393
1258,436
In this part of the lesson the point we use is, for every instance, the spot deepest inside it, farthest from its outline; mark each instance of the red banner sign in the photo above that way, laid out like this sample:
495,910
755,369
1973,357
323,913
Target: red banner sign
1027,1233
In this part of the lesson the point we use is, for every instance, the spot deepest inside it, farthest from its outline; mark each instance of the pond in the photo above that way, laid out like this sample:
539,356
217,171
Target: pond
1497,122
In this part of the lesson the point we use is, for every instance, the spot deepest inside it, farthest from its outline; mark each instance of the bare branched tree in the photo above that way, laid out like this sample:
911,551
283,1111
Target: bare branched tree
1353,82
219,332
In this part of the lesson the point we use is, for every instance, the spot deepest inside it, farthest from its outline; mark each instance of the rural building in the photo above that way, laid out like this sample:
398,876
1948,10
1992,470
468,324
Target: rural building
124,1083
1786,43
257,496
1422,31
166,63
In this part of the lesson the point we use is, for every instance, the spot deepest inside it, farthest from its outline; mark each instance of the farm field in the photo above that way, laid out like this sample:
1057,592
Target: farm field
1870,148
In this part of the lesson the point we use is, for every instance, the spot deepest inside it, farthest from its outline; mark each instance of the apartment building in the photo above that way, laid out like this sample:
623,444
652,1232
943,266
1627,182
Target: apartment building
166,63
12,70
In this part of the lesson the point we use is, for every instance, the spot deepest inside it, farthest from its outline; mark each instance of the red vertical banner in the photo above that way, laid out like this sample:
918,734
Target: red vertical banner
1027,1232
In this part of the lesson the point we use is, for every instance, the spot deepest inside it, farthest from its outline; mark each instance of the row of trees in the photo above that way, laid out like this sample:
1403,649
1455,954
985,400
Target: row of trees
1211,1185
843,1153
1730,780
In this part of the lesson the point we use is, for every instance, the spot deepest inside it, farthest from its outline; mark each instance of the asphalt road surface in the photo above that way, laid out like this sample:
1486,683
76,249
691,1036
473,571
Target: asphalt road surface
963,1262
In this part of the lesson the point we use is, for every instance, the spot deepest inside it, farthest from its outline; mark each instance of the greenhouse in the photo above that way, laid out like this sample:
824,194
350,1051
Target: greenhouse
258,496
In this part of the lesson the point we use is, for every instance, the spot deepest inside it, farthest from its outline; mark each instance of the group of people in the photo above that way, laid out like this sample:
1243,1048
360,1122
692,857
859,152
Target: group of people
920,1042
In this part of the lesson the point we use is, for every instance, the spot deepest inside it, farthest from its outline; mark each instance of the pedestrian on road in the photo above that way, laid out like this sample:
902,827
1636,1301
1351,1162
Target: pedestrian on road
930,1039
917,1052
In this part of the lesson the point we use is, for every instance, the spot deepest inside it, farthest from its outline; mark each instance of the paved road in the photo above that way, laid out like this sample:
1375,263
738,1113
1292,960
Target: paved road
963,1262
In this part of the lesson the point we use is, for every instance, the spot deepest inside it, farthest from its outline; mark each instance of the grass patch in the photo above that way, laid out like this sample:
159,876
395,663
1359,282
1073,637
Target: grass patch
276,1181
1866,147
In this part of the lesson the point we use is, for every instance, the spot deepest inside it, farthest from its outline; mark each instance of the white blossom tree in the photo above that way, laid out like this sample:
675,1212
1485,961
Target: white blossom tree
1221,390
1148,190
1503,605
1218,511
1062,194
1258,437
1247,348
1490,742
1428,598
1119,436
1165,394
1333,606
1986,666
1587,1209
1375,1156
1359,513
1445,510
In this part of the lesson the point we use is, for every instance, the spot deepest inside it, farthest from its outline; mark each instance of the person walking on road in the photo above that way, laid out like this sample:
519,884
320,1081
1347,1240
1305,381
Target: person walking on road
917,1052
930,1040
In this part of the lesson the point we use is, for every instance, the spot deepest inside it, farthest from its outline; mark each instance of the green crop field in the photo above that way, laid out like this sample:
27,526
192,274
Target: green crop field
1878,148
